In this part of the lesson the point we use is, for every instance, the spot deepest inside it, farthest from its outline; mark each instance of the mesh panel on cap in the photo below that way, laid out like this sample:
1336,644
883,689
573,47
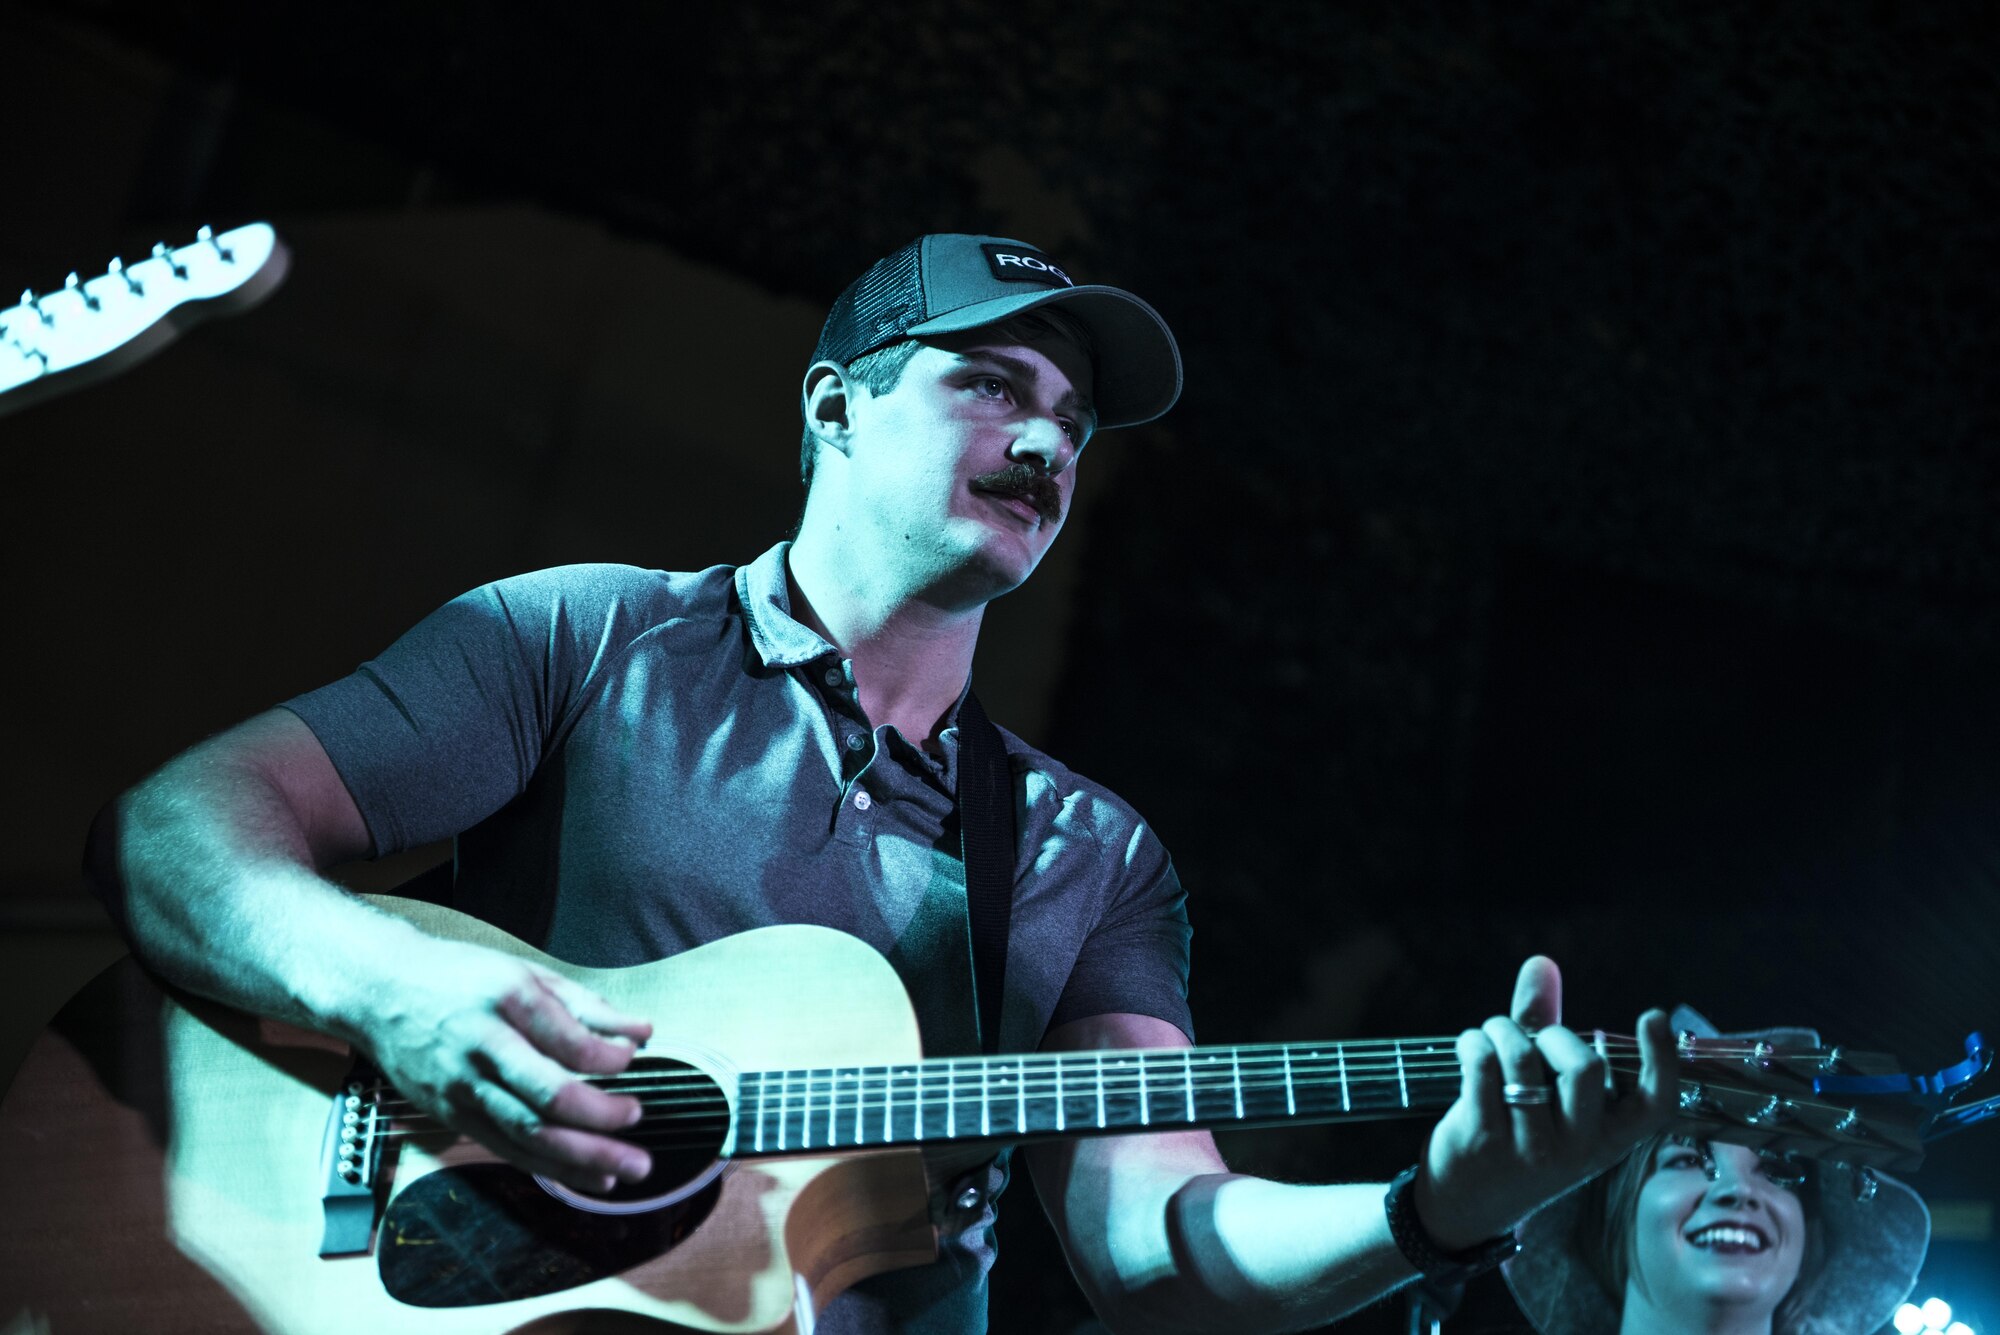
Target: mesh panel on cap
876,307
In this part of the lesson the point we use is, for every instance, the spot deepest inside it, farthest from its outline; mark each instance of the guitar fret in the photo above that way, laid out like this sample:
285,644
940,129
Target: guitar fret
985,1102
1145,1099
1021,1094
907,1076
1402,1077
1236,1078
784,1107
832,1087
1291,1095
1187,1079
1346,1103
1100,1089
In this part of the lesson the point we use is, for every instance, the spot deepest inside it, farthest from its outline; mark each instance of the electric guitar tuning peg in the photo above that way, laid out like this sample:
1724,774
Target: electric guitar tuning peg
205,233
73,284
160,252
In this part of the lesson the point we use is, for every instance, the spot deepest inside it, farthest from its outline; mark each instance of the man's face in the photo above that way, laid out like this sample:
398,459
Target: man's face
1717,1227
963,473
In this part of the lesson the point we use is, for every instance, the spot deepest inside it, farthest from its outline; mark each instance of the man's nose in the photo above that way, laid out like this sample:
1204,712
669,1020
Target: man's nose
1043,439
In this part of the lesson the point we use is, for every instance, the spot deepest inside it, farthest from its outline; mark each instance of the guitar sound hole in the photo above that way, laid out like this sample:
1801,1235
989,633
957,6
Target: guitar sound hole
683,1126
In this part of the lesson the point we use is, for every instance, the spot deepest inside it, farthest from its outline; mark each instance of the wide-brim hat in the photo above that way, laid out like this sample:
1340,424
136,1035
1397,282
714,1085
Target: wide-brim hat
949,282
1875,1243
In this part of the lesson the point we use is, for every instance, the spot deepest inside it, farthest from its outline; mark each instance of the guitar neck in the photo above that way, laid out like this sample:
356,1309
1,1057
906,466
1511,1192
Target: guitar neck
1034,1096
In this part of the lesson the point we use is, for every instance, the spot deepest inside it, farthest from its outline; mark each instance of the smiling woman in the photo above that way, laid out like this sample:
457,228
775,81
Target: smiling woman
1698,1237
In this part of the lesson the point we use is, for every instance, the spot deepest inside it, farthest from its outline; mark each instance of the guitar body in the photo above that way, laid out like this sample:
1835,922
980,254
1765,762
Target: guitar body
181,1188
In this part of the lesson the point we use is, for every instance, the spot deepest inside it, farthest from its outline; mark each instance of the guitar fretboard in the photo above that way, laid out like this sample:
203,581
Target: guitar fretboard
1081,1093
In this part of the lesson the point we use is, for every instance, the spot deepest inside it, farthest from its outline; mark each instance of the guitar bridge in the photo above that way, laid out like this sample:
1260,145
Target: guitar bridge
350,1159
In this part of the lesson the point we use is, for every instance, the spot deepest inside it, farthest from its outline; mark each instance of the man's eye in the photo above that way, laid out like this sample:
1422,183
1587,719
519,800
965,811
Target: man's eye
991,385
1681,1159
1069,429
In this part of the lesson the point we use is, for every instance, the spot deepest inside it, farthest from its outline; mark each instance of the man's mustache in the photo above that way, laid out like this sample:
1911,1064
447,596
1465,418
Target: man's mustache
1024,482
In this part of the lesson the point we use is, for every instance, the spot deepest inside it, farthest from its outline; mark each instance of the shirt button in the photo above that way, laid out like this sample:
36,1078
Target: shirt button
833,677
862,801
854,741
970,1199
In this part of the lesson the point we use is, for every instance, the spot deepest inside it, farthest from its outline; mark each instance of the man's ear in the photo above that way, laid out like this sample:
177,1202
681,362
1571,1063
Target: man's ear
828,397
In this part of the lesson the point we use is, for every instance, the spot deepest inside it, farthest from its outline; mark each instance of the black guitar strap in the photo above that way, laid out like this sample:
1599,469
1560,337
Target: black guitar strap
988,838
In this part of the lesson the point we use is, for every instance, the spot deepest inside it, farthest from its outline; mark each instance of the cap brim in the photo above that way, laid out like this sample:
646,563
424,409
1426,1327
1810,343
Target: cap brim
1138,362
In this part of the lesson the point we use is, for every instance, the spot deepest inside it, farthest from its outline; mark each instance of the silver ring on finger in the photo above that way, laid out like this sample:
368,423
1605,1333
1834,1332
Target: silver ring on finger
1526,1096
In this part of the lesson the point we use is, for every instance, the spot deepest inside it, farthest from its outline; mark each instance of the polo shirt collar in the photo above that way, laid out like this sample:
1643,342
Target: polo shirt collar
781,640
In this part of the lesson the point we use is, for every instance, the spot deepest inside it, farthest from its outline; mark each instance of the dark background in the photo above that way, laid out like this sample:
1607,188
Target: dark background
1578,534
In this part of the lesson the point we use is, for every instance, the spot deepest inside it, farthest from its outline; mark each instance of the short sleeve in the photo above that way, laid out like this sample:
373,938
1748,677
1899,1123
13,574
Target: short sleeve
1135,959
450,722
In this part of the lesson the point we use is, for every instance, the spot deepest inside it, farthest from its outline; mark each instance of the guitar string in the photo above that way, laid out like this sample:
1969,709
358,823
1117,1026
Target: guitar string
711,1110
1168,1076
1118,1082
1154,1061
1030,1080
1043,1075
709,1129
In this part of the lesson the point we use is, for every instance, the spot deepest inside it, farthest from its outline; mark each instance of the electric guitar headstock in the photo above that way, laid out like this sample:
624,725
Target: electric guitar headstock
92,327
1858,1108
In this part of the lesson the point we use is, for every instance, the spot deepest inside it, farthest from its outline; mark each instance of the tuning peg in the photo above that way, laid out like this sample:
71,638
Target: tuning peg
72,284
1834,1060
160,252
203,233
1695,1099
34,303
1866,1184
1684,1043
1851,1125
1772,1113
1760,1056
117,269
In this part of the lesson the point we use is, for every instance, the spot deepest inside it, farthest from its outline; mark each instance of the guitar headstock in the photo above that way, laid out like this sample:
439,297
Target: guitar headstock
1857,1108
1774,1099
90,327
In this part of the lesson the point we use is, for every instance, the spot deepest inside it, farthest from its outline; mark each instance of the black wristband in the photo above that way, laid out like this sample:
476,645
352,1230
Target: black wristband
1436,1265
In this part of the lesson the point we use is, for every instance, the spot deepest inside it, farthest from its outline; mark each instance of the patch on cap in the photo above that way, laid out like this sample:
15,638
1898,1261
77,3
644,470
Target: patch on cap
1018,264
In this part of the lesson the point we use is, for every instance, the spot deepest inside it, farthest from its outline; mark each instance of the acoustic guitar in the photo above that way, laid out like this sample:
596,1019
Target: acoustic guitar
175,1165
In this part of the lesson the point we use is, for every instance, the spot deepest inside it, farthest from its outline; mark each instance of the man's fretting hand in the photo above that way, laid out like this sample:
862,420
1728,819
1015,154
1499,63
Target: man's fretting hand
491,1046
1489,1164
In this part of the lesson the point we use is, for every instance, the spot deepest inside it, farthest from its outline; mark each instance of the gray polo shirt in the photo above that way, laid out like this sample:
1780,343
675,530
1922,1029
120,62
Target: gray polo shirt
636,762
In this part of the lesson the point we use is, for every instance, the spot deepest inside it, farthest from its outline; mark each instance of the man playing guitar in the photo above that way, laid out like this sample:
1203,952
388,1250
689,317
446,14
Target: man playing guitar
634,763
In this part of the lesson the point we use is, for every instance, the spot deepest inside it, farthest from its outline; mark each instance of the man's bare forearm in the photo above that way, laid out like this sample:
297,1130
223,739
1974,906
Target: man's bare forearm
1239,1254
1273,1256
211,871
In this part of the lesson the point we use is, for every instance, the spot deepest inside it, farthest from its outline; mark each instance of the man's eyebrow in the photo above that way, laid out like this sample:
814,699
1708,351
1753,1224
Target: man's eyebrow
1077,405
